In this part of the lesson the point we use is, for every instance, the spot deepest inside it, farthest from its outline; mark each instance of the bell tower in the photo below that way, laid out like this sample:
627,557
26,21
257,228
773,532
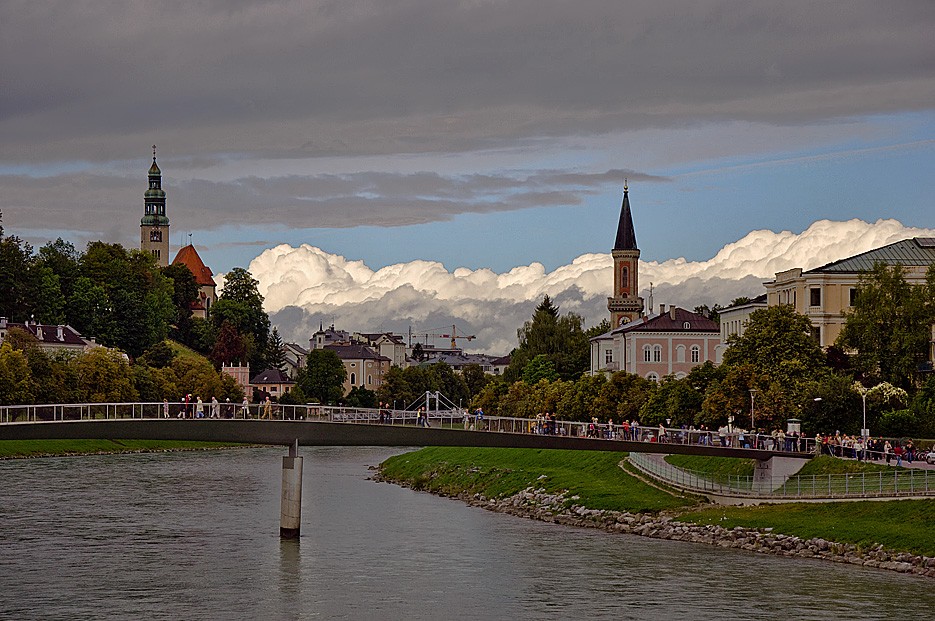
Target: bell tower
625,305
154,225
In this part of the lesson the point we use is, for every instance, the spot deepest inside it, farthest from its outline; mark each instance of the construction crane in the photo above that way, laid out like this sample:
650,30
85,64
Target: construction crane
454,336
434,334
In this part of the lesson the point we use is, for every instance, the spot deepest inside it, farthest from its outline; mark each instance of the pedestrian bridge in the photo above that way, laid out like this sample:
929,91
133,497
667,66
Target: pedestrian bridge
332,426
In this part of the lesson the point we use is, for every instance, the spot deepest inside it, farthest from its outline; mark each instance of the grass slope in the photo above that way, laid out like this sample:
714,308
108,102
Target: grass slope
593,476
713,467
904,525
39,448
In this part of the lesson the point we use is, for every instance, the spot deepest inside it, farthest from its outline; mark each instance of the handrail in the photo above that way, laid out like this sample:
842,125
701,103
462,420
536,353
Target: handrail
899,482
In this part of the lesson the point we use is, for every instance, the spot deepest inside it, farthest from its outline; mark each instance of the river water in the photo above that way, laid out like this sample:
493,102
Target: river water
196,536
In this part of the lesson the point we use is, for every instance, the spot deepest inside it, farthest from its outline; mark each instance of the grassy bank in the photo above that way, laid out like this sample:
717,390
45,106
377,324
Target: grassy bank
714,467
495,473
10,449
904,525
599,482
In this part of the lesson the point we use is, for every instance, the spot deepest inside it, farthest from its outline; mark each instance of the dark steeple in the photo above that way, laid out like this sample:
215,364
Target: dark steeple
626,236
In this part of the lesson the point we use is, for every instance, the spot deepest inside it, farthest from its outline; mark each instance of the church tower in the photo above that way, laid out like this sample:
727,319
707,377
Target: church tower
154,225
626,305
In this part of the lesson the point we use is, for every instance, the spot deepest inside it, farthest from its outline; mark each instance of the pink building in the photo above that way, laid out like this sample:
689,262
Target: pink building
672,342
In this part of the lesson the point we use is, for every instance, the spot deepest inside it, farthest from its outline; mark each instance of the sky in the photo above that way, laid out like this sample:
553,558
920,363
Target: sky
450,162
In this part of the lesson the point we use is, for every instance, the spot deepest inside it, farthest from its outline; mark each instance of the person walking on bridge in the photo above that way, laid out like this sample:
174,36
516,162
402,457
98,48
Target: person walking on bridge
200,409
267,408
215,408
245,408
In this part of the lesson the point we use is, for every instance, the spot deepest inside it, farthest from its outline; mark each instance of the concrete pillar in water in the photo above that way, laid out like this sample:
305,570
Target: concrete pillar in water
290,512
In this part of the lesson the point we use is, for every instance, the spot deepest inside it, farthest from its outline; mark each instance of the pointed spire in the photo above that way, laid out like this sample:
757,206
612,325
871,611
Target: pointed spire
626,235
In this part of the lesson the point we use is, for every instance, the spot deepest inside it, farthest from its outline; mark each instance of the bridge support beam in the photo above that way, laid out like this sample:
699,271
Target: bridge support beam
772,473
290,512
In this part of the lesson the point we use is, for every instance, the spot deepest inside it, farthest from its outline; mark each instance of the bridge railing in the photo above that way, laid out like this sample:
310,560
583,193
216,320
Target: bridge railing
894,482
457,417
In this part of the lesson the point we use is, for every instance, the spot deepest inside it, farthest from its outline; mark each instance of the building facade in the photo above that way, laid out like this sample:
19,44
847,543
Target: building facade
825,294
365,368
734,319
154,225
48,337
671,342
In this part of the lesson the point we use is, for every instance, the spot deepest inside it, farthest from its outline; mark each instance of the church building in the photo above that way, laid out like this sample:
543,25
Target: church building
154,239
668,343
626,305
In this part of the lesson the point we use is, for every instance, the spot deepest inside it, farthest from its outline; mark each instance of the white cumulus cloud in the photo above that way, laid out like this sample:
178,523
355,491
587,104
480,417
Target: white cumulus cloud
305,286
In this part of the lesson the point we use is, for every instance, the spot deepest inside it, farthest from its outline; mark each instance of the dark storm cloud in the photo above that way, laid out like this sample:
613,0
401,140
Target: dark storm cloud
82,202
95,79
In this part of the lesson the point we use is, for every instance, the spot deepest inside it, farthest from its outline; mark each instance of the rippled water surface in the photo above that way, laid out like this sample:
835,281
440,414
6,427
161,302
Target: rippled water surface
196,536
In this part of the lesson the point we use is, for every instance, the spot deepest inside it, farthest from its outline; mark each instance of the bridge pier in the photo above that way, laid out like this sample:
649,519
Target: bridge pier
290,511
772,473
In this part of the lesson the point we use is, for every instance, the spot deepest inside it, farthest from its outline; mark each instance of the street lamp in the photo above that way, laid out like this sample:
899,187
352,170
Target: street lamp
752,397
864,432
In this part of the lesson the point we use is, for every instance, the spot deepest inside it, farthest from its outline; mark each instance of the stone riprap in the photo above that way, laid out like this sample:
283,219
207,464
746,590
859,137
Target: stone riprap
538,504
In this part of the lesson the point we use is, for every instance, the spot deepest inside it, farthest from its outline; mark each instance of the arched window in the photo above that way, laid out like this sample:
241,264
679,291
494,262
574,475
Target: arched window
680,353
369,380
657,353
696,354
686,325
647,354
353,379
653,377
624,278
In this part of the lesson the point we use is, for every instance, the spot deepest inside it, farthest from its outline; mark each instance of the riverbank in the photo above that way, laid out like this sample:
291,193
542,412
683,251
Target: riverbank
26,449
589,489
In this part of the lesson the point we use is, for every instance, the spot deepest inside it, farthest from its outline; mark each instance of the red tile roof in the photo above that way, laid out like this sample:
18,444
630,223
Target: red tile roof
188,257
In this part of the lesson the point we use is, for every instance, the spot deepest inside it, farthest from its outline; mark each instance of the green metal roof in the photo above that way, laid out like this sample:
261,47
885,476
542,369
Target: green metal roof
917,251
154,220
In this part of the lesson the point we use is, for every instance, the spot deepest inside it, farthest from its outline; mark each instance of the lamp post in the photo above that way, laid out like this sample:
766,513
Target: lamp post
752,397
864,432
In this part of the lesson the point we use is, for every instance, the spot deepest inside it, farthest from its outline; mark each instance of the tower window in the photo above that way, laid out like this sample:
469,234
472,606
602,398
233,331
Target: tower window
657,353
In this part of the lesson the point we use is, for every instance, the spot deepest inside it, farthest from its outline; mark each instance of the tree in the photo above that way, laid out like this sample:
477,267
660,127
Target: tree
674,402
129,299
778,345
15,286
539,368
360,397
104,376
889,324
241,304
417,352
323,376
559,337
158,356
474,379
184,293
596,330
16,383
229,347
276,352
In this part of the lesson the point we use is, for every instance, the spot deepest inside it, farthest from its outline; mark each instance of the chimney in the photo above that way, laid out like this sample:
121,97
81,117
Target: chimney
39,332
61,333
3,322
662,309
672,312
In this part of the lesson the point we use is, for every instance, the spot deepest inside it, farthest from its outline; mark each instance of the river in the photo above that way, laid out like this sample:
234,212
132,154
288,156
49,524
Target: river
195,535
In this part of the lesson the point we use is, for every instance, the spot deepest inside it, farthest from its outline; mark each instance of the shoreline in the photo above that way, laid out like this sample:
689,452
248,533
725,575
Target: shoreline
537,504
129,450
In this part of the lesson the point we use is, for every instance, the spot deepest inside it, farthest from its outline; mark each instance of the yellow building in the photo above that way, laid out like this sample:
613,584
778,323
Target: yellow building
825,294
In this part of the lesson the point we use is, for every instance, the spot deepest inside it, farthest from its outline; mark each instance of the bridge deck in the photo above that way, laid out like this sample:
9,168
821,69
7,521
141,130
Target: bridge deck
316,433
